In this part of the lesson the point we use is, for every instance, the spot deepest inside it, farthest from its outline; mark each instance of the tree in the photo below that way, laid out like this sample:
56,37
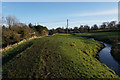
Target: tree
103,26
59,30
86,28
76,30
112,25
70,30
81,28
39,28
94,27
118,25
25,32
11,20
45,31
30,25
18,31
3,27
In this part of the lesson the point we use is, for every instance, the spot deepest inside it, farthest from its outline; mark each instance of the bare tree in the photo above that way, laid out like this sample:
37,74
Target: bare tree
11,20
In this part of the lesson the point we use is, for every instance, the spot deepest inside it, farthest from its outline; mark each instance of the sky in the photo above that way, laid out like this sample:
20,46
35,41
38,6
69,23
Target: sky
55,14
60,0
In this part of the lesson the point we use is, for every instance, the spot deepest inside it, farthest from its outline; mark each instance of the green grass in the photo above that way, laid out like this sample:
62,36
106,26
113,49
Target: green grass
109,37
112,38
10,53
59,56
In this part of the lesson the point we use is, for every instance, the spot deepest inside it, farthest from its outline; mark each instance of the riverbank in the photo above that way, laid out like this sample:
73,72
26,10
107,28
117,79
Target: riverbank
58,56
106,58
112,38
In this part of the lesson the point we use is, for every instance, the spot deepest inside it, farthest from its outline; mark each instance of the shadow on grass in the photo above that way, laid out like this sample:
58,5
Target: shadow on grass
14,52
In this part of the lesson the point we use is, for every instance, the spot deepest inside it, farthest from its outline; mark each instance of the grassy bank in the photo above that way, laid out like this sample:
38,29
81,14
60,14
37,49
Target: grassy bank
15,50
108,37
58,56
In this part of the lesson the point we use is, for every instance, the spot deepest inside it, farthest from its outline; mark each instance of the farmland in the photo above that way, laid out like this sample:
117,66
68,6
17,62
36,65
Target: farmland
58,56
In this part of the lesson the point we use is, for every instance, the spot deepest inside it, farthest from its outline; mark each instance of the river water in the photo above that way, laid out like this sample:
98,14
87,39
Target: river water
106,58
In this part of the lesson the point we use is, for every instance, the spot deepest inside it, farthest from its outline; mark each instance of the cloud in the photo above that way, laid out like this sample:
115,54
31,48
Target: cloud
92,21
60,0
77,23
107,12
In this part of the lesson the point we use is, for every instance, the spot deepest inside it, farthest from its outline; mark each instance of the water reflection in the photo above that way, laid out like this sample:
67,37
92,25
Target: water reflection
106,58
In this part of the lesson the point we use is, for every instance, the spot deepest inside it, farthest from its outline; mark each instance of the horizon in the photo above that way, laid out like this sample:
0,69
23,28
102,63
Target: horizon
55,14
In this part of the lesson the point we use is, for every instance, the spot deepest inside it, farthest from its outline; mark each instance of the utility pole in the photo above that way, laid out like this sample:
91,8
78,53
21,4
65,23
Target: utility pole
67,26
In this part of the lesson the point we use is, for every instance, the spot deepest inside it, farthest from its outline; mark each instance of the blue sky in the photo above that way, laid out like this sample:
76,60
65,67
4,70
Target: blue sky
55,14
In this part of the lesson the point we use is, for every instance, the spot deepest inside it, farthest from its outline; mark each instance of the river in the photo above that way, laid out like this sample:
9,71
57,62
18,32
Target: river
106,58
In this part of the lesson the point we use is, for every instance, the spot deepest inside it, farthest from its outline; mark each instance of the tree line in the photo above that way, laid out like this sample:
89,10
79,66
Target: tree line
14,31
105,26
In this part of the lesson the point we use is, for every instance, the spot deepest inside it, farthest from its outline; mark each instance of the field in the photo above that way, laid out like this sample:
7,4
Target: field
112,38
58,56
108,37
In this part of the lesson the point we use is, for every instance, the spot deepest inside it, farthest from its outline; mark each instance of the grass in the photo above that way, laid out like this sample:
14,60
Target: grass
109,37
12,52
112,38
58,56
